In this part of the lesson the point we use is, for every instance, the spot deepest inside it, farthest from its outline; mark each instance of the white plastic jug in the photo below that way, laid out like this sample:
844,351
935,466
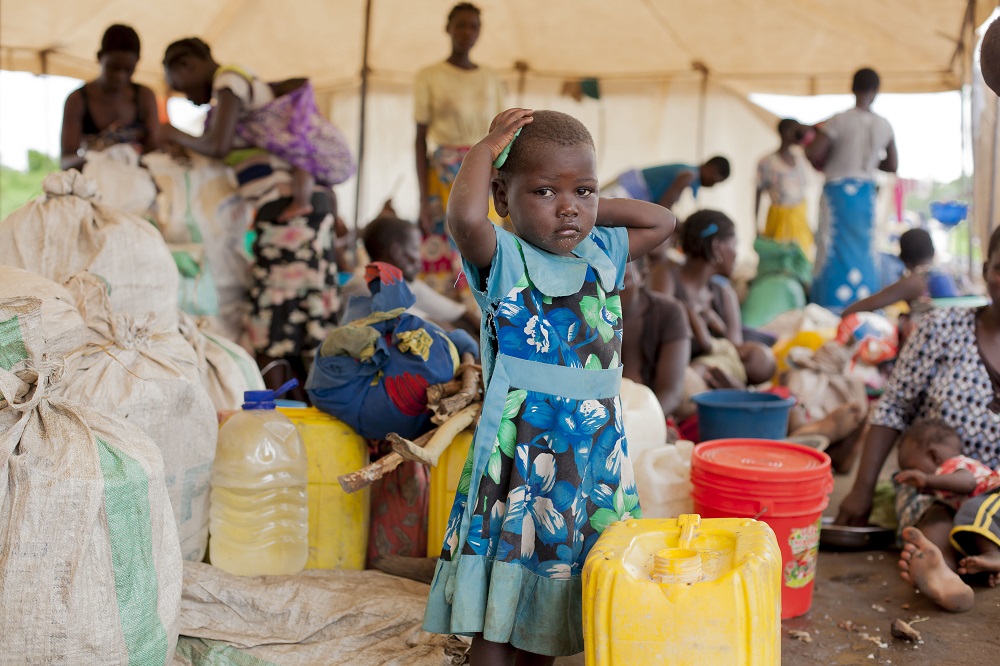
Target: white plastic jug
642,417
663,479
259,518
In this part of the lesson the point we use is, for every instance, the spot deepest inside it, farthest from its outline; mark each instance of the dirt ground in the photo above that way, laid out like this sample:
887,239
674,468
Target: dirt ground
855,586
866,590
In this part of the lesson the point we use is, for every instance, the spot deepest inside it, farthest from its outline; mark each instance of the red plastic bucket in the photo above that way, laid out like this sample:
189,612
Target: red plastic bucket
783,484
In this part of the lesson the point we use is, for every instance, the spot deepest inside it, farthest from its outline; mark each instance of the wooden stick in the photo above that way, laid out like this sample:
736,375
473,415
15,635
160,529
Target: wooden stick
369,474
438,392
471,380
430,452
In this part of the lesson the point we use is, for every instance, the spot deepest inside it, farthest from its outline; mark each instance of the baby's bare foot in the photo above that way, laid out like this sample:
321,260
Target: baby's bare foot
836,425
922,565
989,561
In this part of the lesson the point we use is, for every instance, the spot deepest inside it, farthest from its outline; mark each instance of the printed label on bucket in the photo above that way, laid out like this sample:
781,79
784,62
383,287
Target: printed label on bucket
804,544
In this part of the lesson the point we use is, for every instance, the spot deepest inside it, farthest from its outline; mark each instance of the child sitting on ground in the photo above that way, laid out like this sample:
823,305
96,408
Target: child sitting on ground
931,460
922,279
391,240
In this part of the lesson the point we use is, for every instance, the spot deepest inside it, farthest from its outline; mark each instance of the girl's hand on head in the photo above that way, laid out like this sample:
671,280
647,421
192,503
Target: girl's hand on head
504,127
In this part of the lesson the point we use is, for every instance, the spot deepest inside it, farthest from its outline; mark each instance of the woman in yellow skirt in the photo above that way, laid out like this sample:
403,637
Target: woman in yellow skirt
782,174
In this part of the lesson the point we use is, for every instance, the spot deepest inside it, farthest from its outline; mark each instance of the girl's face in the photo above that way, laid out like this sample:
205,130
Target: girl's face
464,31
724,255
117,68
552,201
190,77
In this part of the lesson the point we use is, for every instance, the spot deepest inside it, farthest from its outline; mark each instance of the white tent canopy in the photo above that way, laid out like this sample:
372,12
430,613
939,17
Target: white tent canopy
674,73
779,46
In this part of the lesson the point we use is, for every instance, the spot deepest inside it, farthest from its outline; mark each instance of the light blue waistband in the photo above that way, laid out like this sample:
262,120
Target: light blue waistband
510,372
574,383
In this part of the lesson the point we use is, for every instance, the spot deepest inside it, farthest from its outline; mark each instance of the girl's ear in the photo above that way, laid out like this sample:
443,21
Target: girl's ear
500,197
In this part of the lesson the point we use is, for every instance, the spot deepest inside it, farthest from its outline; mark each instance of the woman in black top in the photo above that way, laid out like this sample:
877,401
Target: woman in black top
111,109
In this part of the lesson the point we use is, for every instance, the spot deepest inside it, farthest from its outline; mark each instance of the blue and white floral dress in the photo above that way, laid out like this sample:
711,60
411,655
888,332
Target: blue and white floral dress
549,468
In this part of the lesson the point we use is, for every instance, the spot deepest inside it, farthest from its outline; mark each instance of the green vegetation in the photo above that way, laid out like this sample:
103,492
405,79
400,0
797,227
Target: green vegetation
19,187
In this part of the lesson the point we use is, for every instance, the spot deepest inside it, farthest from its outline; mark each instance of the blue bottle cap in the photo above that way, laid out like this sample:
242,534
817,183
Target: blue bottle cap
265,399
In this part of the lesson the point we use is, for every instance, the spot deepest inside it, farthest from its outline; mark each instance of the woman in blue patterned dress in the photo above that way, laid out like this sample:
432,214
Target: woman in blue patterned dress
549,469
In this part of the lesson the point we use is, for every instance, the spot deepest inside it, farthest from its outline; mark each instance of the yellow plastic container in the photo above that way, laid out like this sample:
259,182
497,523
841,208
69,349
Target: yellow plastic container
652,596
444,482
338,522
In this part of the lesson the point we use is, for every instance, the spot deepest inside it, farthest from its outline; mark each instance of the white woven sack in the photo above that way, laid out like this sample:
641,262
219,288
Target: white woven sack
90,566
67,230
199,210
62,328
148,375
121,181
227,370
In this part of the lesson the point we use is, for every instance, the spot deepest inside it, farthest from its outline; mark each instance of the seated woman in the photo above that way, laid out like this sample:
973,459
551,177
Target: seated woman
720,358
657,348
111,109
947,372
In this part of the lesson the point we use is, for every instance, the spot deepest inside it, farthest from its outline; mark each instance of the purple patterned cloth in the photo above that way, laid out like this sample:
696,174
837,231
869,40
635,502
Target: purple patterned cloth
290,127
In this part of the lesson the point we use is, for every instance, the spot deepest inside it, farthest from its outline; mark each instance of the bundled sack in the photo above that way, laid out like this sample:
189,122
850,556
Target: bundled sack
204,221
372,372
226,369
90,567
64,328
821,382
355,618
121,181
67,231
148,375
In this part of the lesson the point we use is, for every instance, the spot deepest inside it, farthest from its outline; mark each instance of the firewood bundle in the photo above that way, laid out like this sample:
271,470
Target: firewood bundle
456,405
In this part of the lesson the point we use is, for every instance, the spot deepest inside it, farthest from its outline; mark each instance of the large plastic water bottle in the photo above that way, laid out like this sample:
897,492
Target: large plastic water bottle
259,520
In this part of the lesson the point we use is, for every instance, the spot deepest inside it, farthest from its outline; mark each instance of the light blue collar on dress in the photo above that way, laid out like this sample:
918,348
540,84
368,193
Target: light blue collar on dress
555,275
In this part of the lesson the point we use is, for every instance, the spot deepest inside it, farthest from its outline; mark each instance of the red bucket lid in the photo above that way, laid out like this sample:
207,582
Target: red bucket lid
761,460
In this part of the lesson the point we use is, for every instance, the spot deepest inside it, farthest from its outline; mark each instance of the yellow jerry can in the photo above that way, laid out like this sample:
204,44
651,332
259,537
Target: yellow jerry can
338,522
683,592
444,482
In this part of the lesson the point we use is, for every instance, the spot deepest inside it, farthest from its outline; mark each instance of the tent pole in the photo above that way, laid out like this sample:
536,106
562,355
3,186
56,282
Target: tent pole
702,107
361,124
966,69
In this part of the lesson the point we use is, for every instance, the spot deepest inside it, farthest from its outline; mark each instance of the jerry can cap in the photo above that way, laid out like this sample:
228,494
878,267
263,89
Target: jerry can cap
265,399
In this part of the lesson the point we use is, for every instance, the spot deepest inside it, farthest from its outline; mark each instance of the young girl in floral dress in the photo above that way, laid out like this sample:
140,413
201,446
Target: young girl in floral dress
549,468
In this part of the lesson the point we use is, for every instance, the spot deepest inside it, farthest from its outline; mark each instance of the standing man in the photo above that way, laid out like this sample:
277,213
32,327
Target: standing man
848,149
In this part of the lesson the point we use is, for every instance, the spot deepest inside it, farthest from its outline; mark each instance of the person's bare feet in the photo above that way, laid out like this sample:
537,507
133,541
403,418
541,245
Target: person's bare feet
985,562
836,425
922,565
294,210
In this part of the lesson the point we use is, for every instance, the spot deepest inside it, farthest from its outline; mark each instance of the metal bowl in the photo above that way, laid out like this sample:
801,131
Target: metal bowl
842,537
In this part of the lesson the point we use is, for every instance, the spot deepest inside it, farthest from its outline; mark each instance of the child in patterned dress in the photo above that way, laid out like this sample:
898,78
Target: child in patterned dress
549,468
931,460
